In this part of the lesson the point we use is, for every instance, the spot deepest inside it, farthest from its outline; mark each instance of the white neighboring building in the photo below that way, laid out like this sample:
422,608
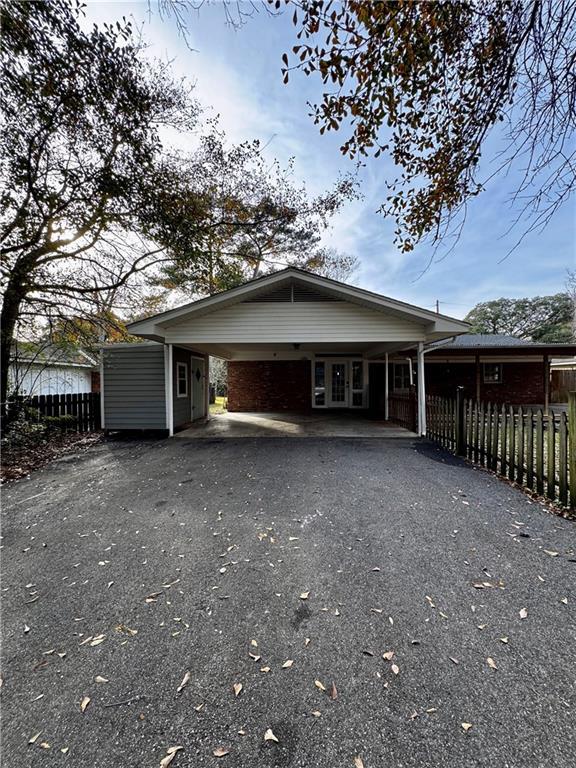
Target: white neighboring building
52,371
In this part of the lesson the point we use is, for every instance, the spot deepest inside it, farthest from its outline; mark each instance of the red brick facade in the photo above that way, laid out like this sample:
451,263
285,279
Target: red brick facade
275,385
522,383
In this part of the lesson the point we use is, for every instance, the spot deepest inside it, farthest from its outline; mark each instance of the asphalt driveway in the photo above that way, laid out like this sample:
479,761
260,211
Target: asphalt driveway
394,578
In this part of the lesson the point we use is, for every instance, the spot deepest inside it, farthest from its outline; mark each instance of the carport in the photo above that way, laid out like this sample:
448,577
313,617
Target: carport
295,343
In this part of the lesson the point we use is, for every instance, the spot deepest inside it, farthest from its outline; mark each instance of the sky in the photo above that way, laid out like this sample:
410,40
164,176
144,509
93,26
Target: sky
236,74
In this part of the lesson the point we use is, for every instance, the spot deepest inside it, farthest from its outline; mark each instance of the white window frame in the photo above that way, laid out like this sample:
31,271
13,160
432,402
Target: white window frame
179,367
488,380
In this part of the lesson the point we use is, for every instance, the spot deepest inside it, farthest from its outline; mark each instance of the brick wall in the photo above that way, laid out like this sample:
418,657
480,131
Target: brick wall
275,385
522,383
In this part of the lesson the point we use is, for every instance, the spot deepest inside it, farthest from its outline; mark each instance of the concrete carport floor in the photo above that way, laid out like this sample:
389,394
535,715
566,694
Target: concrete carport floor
314,424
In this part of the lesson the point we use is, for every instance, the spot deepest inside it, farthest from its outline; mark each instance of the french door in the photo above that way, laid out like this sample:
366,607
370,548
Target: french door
339,384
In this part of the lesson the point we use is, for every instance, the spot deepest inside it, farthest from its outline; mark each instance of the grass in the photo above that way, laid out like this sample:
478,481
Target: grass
219,406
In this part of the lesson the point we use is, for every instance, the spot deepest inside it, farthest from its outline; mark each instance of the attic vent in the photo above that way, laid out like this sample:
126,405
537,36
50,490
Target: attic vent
290,293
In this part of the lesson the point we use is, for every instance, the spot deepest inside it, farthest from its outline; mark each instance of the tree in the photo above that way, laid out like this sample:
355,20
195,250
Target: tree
79,141
236,217
545,319
424,83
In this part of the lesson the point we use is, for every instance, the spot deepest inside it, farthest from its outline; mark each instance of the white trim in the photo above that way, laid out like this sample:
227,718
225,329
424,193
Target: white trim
421,392
102,420
179,366
386,389
168,381
207,387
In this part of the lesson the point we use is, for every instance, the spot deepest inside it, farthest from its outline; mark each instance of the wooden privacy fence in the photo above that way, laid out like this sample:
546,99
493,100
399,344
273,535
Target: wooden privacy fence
533,449
83,408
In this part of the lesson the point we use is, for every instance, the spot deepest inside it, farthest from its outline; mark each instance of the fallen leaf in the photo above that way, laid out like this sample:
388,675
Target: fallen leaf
269,736
264,669
220,752
65,750
333,692
453,660
26,629
97,640
170,755
431,709
304,595
237,688
466,727
32,739
316,713
254,656
504,640
306,641
377,610
126,630
184,682
375,569
45,745
491,663
388,655
551,553
523,613
84,703
358,763
199,707
287,664
395,669
253,643
319,685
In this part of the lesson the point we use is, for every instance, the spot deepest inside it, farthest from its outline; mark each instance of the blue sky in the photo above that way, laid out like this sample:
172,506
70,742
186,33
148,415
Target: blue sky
237,74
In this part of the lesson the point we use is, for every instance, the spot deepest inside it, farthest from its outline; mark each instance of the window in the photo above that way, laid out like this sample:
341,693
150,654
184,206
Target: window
181,380
402,377
319,383
492,373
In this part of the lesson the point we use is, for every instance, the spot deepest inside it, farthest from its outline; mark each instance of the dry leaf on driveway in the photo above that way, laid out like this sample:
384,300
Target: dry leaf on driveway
184,682
491,663
221,752
523,613
84,703
304,595
358,762
170,755
237,688
388,655
395,669
100,679
269,736
466,727
333,692
287,664
319,685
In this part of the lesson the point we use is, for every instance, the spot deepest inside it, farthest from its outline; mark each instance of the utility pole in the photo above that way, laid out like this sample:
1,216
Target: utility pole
437,307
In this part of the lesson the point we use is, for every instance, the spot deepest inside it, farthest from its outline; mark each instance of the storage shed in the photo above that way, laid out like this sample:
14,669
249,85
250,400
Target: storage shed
152,386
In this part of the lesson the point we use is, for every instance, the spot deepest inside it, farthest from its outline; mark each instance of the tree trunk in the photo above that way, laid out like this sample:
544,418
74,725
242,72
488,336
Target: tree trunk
13,296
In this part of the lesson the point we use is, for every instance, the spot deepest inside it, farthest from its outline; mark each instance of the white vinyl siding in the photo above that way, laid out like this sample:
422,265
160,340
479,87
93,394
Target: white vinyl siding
265,322
30,379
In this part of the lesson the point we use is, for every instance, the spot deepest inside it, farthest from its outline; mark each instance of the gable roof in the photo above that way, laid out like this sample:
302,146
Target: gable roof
329,287
46,354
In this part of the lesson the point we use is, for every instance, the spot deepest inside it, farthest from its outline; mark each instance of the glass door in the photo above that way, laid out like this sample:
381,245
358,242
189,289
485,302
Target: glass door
338,387
357,389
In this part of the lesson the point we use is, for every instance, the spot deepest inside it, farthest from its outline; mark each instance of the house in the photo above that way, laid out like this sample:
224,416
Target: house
494,368
294,341
52,369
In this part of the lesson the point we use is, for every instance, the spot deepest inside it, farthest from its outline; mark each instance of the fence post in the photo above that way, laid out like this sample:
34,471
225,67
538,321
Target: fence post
460,423
572,447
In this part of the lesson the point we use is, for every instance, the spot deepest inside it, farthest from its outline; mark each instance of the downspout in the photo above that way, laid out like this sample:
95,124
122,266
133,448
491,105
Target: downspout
422,383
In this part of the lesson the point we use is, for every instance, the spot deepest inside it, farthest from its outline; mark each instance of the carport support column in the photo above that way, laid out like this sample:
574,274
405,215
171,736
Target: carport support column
169,391
421,392
386,389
